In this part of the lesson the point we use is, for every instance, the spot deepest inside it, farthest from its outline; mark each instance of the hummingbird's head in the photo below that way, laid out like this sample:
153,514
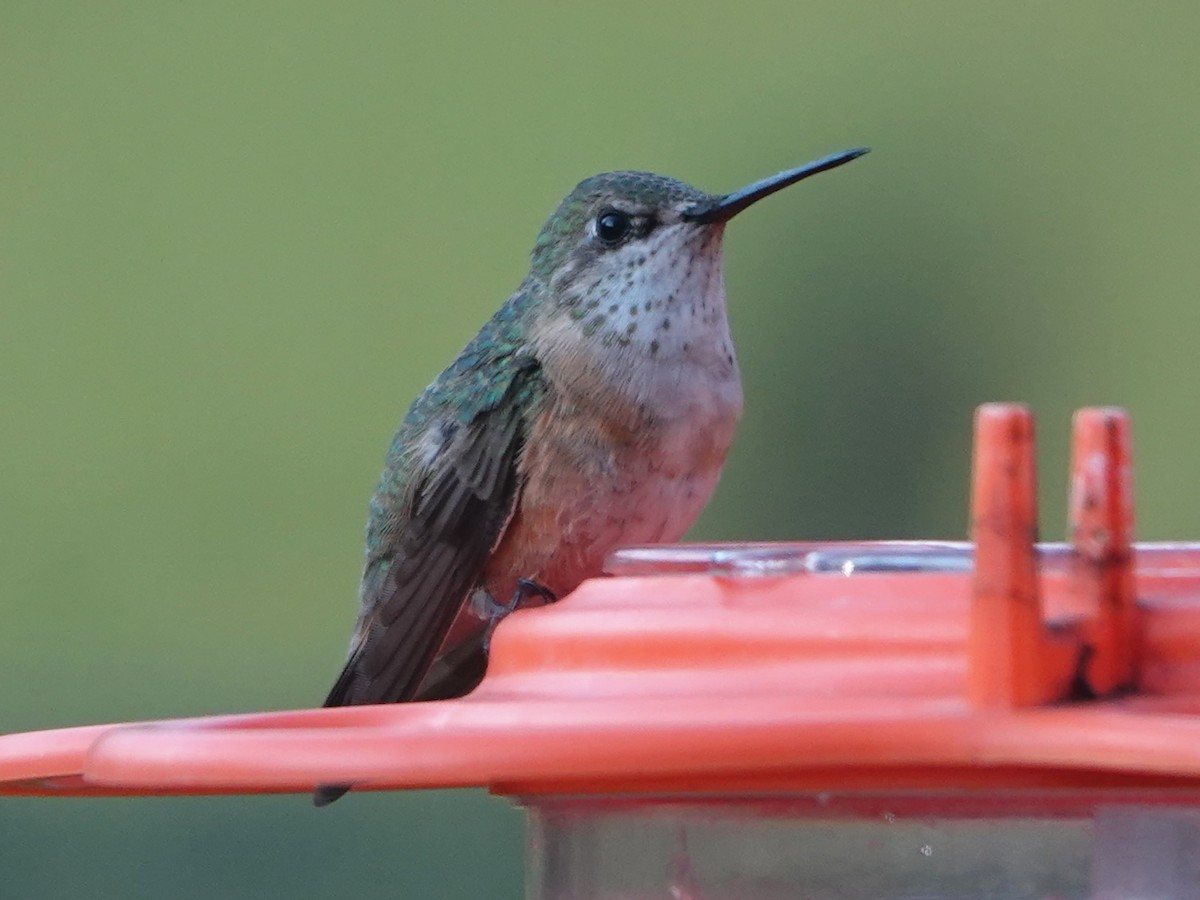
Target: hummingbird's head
638,232
608,221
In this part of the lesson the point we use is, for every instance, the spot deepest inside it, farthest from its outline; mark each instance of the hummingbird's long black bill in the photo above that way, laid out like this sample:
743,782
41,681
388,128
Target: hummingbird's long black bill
724,208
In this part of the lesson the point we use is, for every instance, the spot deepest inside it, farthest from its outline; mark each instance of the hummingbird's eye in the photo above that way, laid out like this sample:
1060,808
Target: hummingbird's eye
612,226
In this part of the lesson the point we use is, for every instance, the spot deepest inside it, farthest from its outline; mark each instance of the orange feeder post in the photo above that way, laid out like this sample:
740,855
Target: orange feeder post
1001,718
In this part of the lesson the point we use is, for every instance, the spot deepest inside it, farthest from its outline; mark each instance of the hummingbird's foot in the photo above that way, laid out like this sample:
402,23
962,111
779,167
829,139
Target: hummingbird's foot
526,588
495,612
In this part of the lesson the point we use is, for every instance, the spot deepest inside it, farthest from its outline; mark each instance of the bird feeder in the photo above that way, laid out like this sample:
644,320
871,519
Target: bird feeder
1001,718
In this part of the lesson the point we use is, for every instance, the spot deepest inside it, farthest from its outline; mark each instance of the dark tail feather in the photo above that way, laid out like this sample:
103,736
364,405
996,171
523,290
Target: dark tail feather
327,793
338,696
455,674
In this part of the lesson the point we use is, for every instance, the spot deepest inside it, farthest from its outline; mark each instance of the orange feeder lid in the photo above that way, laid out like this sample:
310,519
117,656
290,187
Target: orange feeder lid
1000,663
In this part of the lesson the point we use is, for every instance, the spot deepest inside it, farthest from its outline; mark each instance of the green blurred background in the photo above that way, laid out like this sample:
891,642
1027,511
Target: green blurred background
236,240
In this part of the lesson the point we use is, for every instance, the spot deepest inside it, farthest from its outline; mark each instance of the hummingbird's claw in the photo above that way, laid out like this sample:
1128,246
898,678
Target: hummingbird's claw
495,612
527,587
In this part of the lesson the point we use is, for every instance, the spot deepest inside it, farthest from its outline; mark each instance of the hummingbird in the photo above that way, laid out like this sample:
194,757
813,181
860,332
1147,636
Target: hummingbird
594,410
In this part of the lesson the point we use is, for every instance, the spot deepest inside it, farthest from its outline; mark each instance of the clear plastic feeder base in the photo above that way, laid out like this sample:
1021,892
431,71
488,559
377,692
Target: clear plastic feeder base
1014,846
